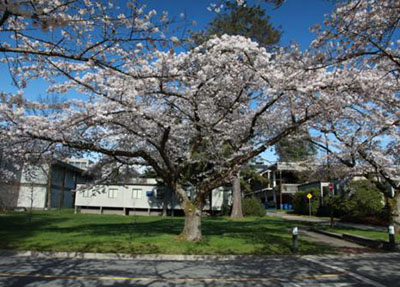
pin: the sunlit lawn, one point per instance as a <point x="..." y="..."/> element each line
<point x="65" y="231"/>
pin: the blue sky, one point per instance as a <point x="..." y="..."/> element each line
<point x="294" y="17"/>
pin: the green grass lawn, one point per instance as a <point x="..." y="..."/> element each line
<point x="64" y="231"/>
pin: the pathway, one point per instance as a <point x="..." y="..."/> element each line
<point x="324" y="220"/>
<point x="332" y="241"/>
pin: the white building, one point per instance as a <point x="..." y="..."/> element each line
<point x="82" y="163"/>
<point x="42" y="186"/>
<point x="141" y="196"/>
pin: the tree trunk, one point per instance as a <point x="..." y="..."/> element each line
<point x="237" y="212"/>
<point x="192" y="228"/>
<point x="395" y="212"/>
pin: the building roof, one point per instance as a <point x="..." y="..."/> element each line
<point x="291" y="166"/>
<point x="67" y="166"/>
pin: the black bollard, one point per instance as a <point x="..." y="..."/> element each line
<point x="392" y="241"/>
<point x="295" y="243"/>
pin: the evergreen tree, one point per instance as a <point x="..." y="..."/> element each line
<point x="295" y="148"/>
<point x="244" y="20"/>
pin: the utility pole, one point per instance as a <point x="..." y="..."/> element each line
<point x="281" y="189"/>
<point x="331" y="203"/>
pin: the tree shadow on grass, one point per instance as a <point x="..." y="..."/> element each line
<point x="147" y="235"/>
<point x="266" y="235"/>
<point x="148" y="228"/>
<point x="15" y="227"/>
<point x="174" y="226"/>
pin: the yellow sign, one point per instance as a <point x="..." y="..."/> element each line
<point x="309" y="196"/>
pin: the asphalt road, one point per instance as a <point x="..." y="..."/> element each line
<point x="379" y="269"/>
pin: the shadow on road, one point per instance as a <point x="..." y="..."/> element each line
<point x="24" y="271"/>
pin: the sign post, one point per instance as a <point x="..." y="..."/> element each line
<point x="309" y="196"/>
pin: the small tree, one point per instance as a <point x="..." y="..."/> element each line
<point x="252" y="206"/>
<point x="301" y="202"/>
<point x="362" y="199"/>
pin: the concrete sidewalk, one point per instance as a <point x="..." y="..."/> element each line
<point x="324" y="220"/>
<point x="332" y="241"/>
<point x="125" y="256"/>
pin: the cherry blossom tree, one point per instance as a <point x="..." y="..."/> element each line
<point x="360" y="37"/>
<point x="365" y="134"/>
<point x="206" y="111"/>
<point x="44" y="40"/>
<point x="195" y="117"/>
<point x="47" y="39"/>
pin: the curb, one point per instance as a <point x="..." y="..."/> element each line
<point x="171" y="257"/>
<point x="367" y="242"/>
<point x="327" y="233"/>
<point x="142" y="257"/>
<point x="372" y="243"/>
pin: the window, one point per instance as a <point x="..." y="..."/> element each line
<point x="136" y="193"/>
<point x="86" y="193"/>
<point x="160" y="193"/>
<point x="112" y="192"/>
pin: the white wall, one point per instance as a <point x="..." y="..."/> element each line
<point x="33" y="174"/>
<point x="131" y="196"/>
<point x="32" y="196"/>
<point x="217" y="199"/>
<point x="32" y="187"/>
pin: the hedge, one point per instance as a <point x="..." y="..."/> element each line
<point x="301" y="202"/>
<point x="252" y="206"/>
